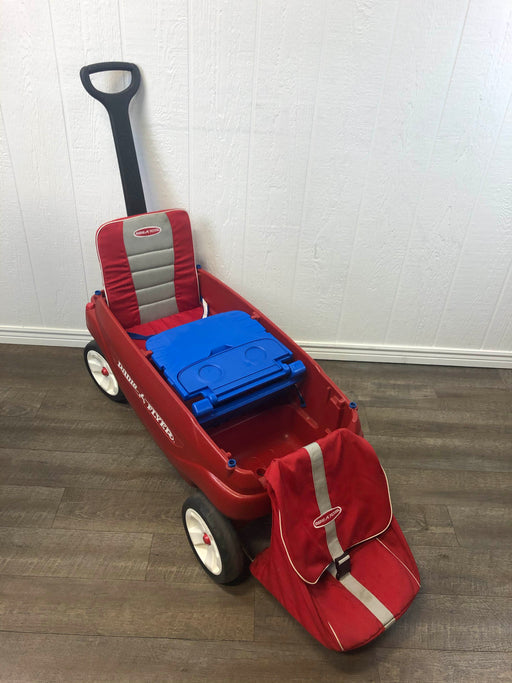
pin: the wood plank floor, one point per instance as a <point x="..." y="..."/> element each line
<point x="97" y="582"/>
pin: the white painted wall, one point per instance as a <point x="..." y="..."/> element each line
<point x="347" y="163"/>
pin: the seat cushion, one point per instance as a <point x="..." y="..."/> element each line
<point x="162" y="324"/>
<point x="167" y="323"/>
<point x="148" y="267"/>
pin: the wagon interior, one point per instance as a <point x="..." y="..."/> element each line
<point x="256" y="394"/>
<point x="280" y="427"/>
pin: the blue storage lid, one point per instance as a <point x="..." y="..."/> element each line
<point x="226" y="361"/>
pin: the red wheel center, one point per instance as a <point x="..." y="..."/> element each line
<point x="206" y="539"/>
<point x="104" y="371"/>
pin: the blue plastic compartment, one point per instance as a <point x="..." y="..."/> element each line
<point x="226" y="362"/>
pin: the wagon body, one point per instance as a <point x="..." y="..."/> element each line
<point x="279" y="437"/>
<point x="206" y="456"/>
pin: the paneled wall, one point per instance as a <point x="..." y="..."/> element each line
<point x="347" y="164"/>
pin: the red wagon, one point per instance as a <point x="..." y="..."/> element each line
<point x="246" y="416"/>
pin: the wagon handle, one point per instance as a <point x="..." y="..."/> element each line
<point x="117" y="105"/>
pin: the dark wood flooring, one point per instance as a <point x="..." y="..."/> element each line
<point x="97" y="582"/>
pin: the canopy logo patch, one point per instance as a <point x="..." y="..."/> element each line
<point x="326" y="517"/>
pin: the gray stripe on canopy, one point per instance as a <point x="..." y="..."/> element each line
<point x="322" y="497"/>
<point x="368" y="599"/>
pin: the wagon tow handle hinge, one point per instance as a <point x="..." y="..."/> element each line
<point x="117" y="105"/>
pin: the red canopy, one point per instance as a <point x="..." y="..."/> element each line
<point x="330" y="502"/>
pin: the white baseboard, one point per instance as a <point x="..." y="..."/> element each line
<point x="44" y="336"/>
<point x="408" y="354"/>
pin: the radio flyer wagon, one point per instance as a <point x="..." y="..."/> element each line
<point x="246" y="417"/>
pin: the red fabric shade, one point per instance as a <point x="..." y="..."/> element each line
<point x="341" y="473"/>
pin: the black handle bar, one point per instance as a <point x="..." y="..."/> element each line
<point x="117" y="105"/>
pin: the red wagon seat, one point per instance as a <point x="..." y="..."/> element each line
<point x="338" y="560"/>
<point x="149" y="271"/>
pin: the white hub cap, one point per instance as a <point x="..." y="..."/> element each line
<point x="203" y="541"/>
<point x="102" y="373"/>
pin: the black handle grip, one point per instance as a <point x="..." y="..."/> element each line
<point x="110" y="98"/>
<point x="117" y="105"/>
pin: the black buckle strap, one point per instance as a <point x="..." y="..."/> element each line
<point x="342" y="564"/>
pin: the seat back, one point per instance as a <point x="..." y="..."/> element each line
<point x="148" y="266"/>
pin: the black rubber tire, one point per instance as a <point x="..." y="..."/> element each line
<point x="228" y="544"/>
<point x="118" y="397"/>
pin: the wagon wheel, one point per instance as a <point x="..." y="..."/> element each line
<point x="100" y="371"/>
<point x="213" y="539"/>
